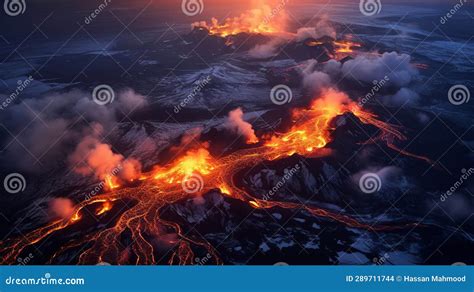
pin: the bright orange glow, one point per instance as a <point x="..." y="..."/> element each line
<point x="254" y="204"/>
<point x="106" y="206"/>
<point x="311" y="130"/>
<point x="252" y="140"/>
<point x="111" y="182"/>
<point x="195" y="161"/>
<point x="76" y="217"/>
<point x="224" y="189"/>
<point x="346" y="47"/>
<point x="313" y="43"/>
<point x="265" y="18"/>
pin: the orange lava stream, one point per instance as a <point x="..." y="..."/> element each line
<point x="311" y="130"/>
<point x="167" y="184"/>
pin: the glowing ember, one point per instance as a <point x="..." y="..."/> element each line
<point x="313" y="43"/>
<point x="254" y="204"/>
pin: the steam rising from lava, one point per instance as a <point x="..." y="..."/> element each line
<point x="236" y="123"/>
<point x="60" y="119"/>
<point x="321" y="29"/>
<point x="62" y="208"/>
<point x="93" y="157"/>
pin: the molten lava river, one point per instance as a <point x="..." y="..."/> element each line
<point x="128" y="238"/>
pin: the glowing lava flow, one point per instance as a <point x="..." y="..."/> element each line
<point x="263" y="19"/>
<point x="311" y="130"/>
<point x="111" y="182"/>
<point x="195" y="161"/>
<point x="270" y="19"/>
<point x="346" y="46"/>
<point x="141" y="222"/>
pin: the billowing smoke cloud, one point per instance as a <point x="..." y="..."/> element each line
<point x="92" y="157"/>
<point x="47" y="129"/>
<point x="332" y="98"/>
<point x="267" y="50"/>
<point x="332" y="67"/>
<point x="131" y="169"/>
<point x="404" y="96"/>
<point x="235" y="122"/>
<point x="271" y="48"/>
<point x="314" y="81"/>
<point x="128" y="101"/>
<point x="190" y="140"/>
<point x="322" y="29"/>
<point x="62" y="208"/>
<point x="368" y="68"/>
